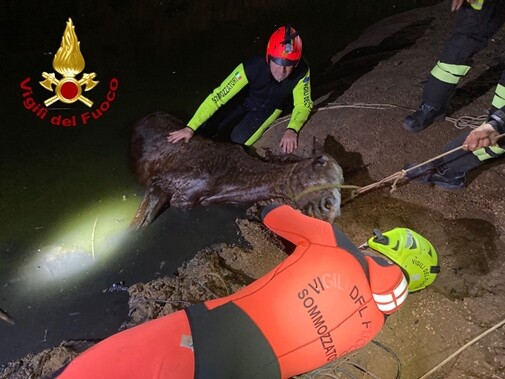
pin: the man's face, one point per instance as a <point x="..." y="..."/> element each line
<point x="280" y="72"/>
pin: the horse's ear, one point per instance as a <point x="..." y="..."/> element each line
<point x="317" y="148"/>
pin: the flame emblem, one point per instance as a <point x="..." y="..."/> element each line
<point x="69" y="62"/>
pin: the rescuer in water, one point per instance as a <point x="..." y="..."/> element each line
<point x="325" y="300"/>
<point x="253" y="96"/>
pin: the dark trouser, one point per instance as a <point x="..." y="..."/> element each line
<point x="462" y="161"/>
<point x="474" y="28"/>
<point x="498" y="96"/>
<point x="234" y="121"/>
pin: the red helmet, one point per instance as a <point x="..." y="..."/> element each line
<point x="284" y="47"/>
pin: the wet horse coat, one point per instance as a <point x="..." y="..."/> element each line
<point x="204" y="172"/>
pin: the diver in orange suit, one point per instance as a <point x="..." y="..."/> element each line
<point x="325" y="300"/>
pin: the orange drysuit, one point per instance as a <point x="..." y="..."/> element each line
<point x="325" y="300"/>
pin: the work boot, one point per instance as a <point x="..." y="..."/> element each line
<point x="422" y="118"/>
<point x="440" y="177"/>
<point x="448" y="179"/>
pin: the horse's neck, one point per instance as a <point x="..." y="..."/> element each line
<point x="270" y="179"/>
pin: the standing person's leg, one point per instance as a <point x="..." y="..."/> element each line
<point x="499" y="95"/>
<point x="473" y="30"/>
<point x="450" y="171"/>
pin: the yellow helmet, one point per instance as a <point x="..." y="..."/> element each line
<point x="412" y="252"/>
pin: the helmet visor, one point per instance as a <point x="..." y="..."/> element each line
<point x="281" y="61"/>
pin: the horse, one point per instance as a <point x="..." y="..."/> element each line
<point x="205" y="171"/>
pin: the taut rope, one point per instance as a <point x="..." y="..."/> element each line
<point x="322" y="187"/>
<point x="460" y="123"/>
<point x="359" y="190"/>
<point x="294" y="198"/>
<point x="457" y="352"/>
<point x="401" y="174"/>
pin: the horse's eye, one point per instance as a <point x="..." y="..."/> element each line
<point x="328" y="204"/>
<point x="320" y="161"/>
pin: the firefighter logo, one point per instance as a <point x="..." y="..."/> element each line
<point x="68" y="62"/>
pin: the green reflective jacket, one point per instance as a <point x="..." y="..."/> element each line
<point x="262" y="92"/>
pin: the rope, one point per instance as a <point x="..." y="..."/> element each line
<point x="395" y="357"/>
<point x="401" y="174"/>
<point x="294" y="198"/>
<point x="331" y="106"/>
<point x="461" y="122"/>
<point x="457" y="352"/>
<point x="321" y="187"/>
<point x="358" y="190"/>
<point x="396" y="176"/>
<point x="335" y="370"/>
<point x="468" y="121"/>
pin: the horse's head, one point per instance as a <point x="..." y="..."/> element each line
<point x="314" y="187"/>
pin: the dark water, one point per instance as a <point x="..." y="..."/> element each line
<point x="66" y="192"/>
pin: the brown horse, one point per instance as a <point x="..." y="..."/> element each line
<point x="204" y="171"/>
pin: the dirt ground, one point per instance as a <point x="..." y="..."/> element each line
<point x="390" y="62"/>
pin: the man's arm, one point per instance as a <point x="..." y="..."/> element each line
<point x="486" y="134"/>
<point x="456" y="4"/>
<point x="232" y="85"/>
<point x="302" y="103"/>
<point x="296" y="227"/>
<point x="302" y="106"/>
<point x="289" y="141"/>
<point x="181" y="134"/>
<point x="483" y="136"/>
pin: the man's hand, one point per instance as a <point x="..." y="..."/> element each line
<point x="181" y="134"/>
<point x="456" y="4"/>
<point x="483" y="136"/>
<point x="289" y="141"/>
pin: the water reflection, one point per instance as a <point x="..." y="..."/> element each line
<point x="82" y="242"/>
